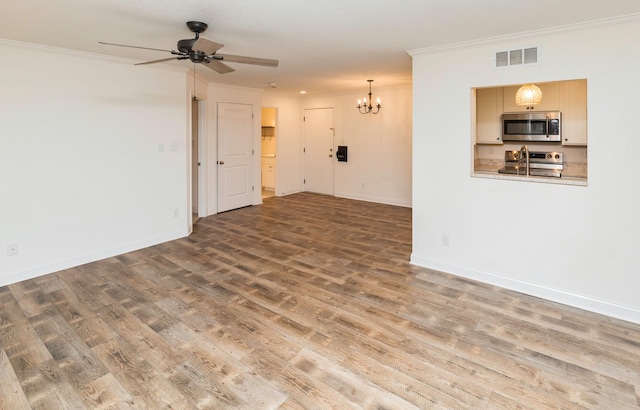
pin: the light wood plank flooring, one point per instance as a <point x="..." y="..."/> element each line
<point x="305" y="302"/>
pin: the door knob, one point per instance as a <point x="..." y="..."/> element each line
<point x="221" y="162"/>
<point x="330" y="155"/>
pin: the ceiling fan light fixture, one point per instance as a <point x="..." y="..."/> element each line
<point x="365" y="108"/>
<point x="529" y="94"/>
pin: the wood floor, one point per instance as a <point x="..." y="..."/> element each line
<point x="305" y="302"/>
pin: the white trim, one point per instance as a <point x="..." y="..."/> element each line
<point x="365" y="198"/>
<point x="34" y="272"/>
<point x="107" y="57"/>
<point x="587" y="25"/>
<point x="555" y="295"/>
<point x="202" y="158"/>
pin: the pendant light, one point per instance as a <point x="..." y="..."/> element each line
<point x="368" y="109"/>
<point x="529" y="95"/>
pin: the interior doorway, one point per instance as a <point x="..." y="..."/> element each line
<point x="318" y="150"/>
<point x="269" y="134"/>
<point x="195" y="163"/>
<point x="198" y="155"/>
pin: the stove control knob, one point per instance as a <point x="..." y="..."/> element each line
<point x="557" y="156"/>
<point x="548" y="155"/>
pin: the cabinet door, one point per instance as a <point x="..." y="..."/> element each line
<point x="574" y="113"/>
<point x="268" y="173"/>
<point x="550" y="98"/>
<point x="488" y="112"/>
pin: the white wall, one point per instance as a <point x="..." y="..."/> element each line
<point x="81" y="172"/>
<point x="379" y="146"/>
<point x="575" y="245"/>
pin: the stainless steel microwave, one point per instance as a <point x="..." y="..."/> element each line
<point x="532" y="126"/>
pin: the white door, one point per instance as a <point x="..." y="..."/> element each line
<point x="318" y="150"/>
<point x="235" y="156"/>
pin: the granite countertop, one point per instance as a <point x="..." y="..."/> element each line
<point x="494" y="174"/>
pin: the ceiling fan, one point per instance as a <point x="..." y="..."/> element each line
<point x="204" y="51"/>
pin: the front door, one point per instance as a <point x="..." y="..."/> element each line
<point x="318" y="150"/>
<point x="235" y="156"/>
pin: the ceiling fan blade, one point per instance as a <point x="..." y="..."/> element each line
<point x="124" y="45"/>
<point x="159" y="61"/>
<point x="217" y="66"/>
<point x="230" y="58"/>
<point x="206" y="46"/>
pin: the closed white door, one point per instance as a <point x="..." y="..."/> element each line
<point x="318" y="150"/>
<point x="235" y="156"/>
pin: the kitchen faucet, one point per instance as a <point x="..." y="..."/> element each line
<point x="524" y="158"/>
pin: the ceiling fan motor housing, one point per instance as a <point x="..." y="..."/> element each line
<point x="185" y="46"/>
<point x="196" y="56"/>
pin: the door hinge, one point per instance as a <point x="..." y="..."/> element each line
<point x="304" y="181"/>
<point x="253" y="188"/>
<point x="304" y="150"/>
<point x="252" y="153"/>
<point x="304" y="119"/>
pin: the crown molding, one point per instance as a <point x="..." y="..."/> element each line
<point x="582" y="26"/>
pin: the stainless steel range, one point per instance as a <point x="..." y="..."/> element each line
<point x="534" y="163"/>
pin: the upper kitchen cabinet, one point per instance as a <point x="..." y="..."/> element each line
<point x="550" y="98"/>
<point x="573" y="105"/>
<point x="488" y="112"/>
<point x="268" y="117"/>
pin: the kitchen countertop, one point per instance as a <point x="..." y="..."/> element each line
<point x="490" y="174"/>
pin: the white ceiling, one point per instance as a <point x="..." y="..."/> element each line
<point x="324" y="46"/>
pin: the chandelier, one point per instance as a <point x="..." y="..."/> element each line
<point x="529" y="94"/>
<point x="368" y="109"/>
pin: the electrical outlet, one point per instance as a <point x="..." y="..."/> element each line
<point x="161" y="147"/>
<point x="445" y="240"/>
<point x="174" y="146"/>
<point x="12" y="249"/>
<point x="362" y="185"/>
<point x="176" y="212"/>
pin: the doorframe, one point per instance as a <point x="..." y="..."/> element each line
<point x="276" y="147"/>
<point x="201" y="157"/>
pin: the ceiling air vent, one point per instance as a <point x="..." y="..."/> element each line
<point x="519" y="57"/>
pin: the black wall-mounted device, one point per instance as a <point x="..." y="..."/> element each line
<point x="341" y="153"/>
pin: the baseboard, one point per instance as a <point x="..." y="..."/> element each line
<point x="373" y="199"/>
<point x="55" y="266"/>
<point x="566" y="298"/>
